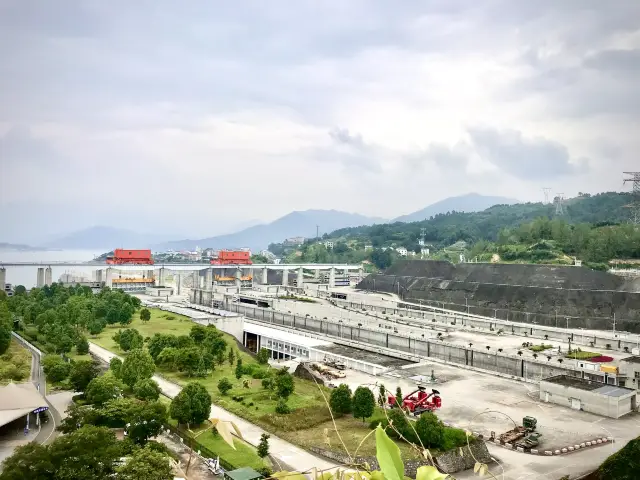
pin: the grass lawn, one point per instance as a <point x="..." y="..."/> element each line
<point x="582" y="355"/>
<point x="304" y="426"/>
<point x="161" y="322"/>
<point x="244" y="454"/>
<point x="15" y="364"/>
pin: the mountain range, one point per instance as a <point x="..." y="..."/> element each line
<point x="256" y="237"/>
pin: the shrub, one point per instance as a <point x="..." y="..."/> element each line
<point x="282" y="408"/>
<point x="82" y="346"/>
<point x="453" y="438"/>
<point x="55" y="368"/>
<point x="224" y="385"/>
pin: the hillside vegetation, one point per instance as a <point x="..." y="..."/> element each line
<point x="593" y="229"/>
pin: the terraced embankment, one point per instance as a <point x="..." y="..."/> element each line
<point x="544" y="294"/>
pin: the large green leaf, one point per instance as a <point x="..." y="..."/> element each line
<point x="388" y="455"/>
<point x="430" y="473"/>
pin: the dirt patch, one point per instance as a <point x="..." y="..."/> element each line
<point x="197" y="468"/>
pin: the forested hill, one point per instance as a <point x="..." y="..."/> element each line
<point x="446" y="229"/>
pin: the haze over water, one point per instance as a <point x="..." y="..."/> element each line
<point x="27" y="275"/>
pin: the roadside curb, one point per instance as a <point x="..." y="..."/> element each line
<point x="533" y="451"/>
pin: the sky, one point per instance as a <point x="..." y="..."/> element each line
<point x="197" y="118"/>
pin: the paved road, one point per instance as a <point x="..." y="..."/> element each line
<point x="48" y="431"/>
<point x="282" y="450"/>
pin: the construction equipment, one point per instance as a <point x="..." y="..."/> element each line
<point x="418" y="401"/>
<point x="138" y="257"/>
<point x="532" y="440"/>
<point x="335" y="364"/>
<point x="510" y="436"/>
<point x="232" y="257"/>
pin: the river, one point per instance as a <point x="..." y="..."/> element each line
<point x="27" y="276"/>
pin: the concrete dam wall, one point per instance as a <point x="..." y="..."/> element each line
<point x="543" y="294"/>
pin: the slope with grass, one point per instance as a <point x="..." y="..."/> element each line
<point x="15" y="364"/>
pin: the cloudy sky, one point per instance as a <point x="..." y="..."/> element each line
<point x="192" y="118"/>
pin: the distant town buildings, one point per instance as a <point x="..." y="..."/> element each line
<point x="328" y="245"/>
<point x="293" y="241"/>
<point x="401" y="251"/>
<point x="368" y="247"/>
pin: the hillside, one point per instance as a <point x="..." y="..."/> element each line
<point x="472" y="202"/>
<point x="594" y="230"/>
<point x="292" y="225"/>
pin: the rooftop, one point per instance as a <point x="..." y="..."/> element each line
<point x="589" y="386"/>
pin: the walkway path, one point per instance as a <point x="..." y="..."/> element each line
<point x="282" y="450"/>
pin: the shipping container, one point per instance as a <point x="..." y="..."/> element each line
<point x="123" y="256"/>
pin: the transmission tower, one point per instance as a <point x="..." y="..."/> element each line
<point x="546" y="191"/>
<point x="559" y="203"/>
<point x="634" y="206"/>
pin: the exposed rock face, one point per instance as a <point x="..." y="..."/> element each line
<point x="448" y="462"/>
<point x="303" y="370"/>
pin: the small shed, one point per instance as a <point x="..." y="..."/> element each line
<point x="244" y="473"/>
<point x="588" y="395"/>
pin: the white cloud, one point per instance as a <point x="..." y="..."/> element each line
<point x="225" y="113"/>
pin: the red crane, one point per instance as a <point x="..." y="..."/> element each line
<point x="420" y="403"/>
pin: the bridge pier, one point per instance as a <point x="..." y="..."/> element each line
<point x="108" y="281"/>
<point x="332" y="277"/>
<point x="285" y="277"/>
<point x="300" y="279"/>
<point x="196" y="279"/>
<point x="265" y="276"/>
<point x="160" y="281"/>
<point x="238" y="279"/>
<point x="40" y="278"/>
<point x="208" y="279"/>
<point x="48" y="276"/>
<point x="3" y="279"/>
<point x="178" y="282"/>
<point x="316" y="274"/>
<point x="98" y="275"/>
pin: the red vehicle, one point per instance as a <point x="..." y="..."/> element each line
<point x="232" y="257"/>
<point x="420" y="403"/>
<point x="137" y="257"/>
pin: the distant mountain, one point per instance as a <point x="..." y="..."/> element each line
<point x="292" y="225"/>
<point x="19" y="247"/>
<point x="105" y="238"/>
<point x="471" y="202"/>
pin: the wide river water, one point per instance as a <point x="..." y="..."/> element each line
<point x="27" y="276"/>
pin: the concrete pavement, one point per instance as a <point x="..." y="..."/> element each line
<point x="282" y="450"/>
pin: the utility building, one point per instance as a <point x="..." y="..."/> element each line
<point x="589" y="396"/>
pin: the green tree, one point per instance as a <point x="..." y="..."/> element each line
<point x="103" y="388"/>
<point x="146" y="464"/>
<point x="89" y="452"/>
<point x="284" y="385"/>
<point x="281" y="407"/>
<point x="263" y="446"/>
<point x="115" y="365"/>
<point x="363" y="403"/>
<point x="137" y="366"/>
<point x="224" y="385"/>
<point x="192" y="405"/>
<point x="125" y="314"/>
<point x="146" y="389"/>
<point x="622" y="465"/>
<point x="96" y="326"/>
<point x="340" y="400"/>
<point x="31" y="461"/>
<point x="129" y="339"/>
<point x="5" y="328"/>
<point x="263" y="356"/>
<point x="145" y="315"/>
<point x="55" y="368"/>
<point x="82" y="372"/>
<point x="231" y="357"/>
<point x="167" y="358"/>
<point x="399" y="397"/>
<point x="159" y="342"/>
<point x="239" y="370"/>
<point x="430" y="430"/>
<point x="145" y="420"/>
<point x="189" y="360"/>
<point x="198" y="333"/>
<point x="82" y="346"/>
